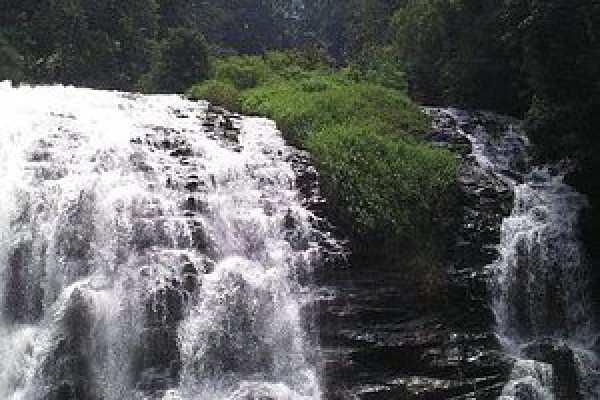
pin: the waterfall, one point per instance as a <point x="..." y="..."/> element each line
<point x="540" y="287"/>
<point x="151" y="248"/>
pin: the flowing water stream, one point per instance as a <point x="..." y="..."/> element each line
<point x="151" y="248"/>
<point x="540" y="285"/>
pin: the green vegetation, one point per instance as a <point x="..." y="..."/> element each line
<point x="388" y="188"/>
<point x="219" y="93"/>
<point x="384" y="185"/>
<point x="182" y="60"/>
<point x="320" y="98"/>
<point x="93" y="43"/>
<point x="11" y="63"/>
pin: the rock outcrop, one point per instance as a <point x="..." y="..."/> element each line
<point x="564" y="370"/>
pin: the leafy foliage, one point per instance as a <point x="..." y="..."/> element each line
<point x="182" y="61"/>
<point x="243" y="71"/>
<point x="99" y="43"/>
<point x="387" y="187"/>
<point x="448" y="63"/>
<point x="11" y="62"/>
<point x="220" y="93"/>
<point x="297" y="106"/>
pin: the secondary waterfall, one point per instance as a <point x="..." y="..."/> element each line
<point x="540" y="286"/>
<point x="151" y="248"/>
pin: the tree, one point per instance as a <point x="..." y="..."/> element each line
<point x="11" y="62"/>
<point x="247" y="26"/>
<point x="454" y="53"/>
<point x="182" y="61"/>
<point x="99" y="43"/>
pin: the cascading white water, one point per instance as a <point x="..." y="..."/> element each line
<point x="540" y="287"/>
<point x="150" y="247"/>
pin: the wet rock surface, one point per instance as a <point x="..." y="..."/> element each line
<point x="562" y="359"/>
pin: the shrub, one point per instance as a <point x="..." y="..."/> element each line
<point x="280" y="61"/>
<point x="386" y="187"/>
<point x="246" y="72"/>
<point x="378" y="65"/>
<point x="223" y="94"/>
<point x="324" y="98"/>
<point x="242" y="71"/>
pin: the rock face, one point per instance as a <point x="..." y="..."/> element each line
<point x="67" y="371"/>
<point x="385" y="339"/>
<point x="562" y="360"/>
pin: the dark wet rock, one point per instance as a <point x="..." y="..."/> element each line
<point x="195" y="204"/>
<point x="149" y="232"/>
<point x="189" y="269"/>
<point x="157" y="362"/>
<point x="289" y="222"/>
<point x="182" y="152"/>
<point x="193" y="184"/>
<point x="23" y="295"/>
<point x="216" y="110"/>
<point x="185" y="161"/>
<point x="231" y="135"/>
<point x="66" y="372"/>
<point x="386" y="339"/>
<point x="200" y="239"/>
<point x="180" y="114"/>
<point x="39" y="155"/>
<point x="190" y="277"/>
<point x="229" y="125"/>
<point x="244" y="348"/>
<point x="75" y="235"/>
<point x="562" y="359"/>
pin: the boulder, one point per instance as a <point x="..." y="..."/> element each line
<point x="561" y="357"/>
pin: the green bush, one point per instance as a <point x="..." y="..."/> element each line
<point x="246" y="72"/>
<point x="379" y="65"/>
<point x="387" y="187"/>
<point x="223" y="94"/>
<point x="242" y="71"/>
<point x="325" y="98"/>
<point x="280" y="61"/>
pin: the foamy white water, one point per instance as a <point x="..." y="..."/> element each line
<point x="150" y="247"/>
